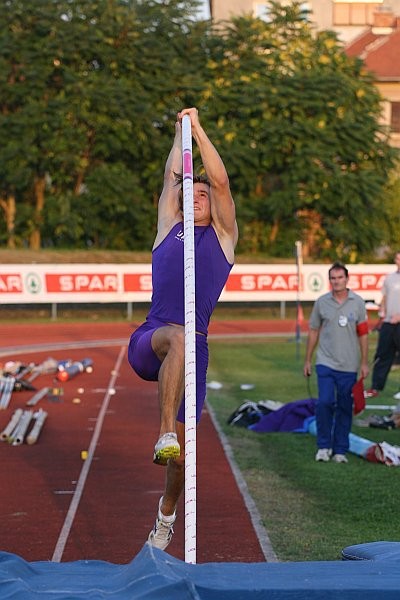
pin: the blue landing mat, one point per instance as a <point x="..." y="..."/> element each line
<point x="155" y="575"/>
<point x="382" y="551"/>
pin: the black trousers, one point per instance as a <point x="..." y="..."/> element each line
<point x="388" y="346"/>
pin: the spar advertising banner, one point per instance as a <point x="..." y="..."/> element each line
<point x="280" y="282"/>
<point x="132" y="283"/>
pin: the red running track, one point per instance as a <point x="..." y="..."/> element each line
<point x="55" y="505"/>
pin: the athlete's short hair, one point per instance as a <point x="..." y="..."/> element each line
<point x="196" y="179"/>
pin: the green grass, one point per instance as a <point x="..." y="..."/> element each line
<point x="310" y="510"/>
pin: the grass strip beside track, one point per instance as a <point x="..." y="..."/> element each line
<point x="310" y="510"/>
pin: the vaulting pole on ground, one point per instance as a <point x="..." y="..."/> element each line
<point x="190" y="343"/>
<point x="299" y="310"/>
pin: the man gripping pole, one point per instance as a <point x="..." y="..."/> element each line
<point x="157" y="347"/>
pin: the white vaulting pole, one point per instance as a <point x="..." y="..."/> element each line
<point x="190" y="343"/>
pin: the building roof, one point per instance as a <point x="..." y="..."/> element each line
<point x="379" y="48"/>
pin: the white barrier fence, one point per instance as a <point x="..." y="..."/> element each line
<point x="102" y="283"/>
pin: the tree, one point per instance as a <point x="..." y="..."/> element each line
<point x="299" y="121"/>
<point x="34" y="104"/>
<point x="89" y="91"/>
<point x="85" y="92"/>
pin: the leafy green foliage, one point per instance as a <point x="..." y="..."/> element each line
<point x="89" y="90"/>
<point x="299" y="123"/>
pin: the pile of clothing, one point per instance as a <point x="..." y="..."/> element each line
<point x="299" y="417"/>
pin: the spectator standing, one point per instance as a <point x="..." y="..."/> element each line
<point x="389" y="331"/>
<point x="338" y="325"/>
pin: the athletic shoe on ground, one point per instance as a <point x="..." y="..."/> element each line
<point x="161" y="535"/>
<point x="371" y="393"/>
<point x="339" y="458"/>
<point x="167" y="447"/>
<point x="323" y="455"/>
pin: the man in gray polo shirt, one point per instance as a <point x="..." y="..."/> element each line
<point x="338" y="324"/>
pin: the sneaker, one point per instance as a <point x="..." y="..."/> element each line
<point x="340" y="458"/>
<point x="371" y="393"/>
<point x="167" y="447"/>
<point x="161" y="535"/>
<point x="323" y="455"/>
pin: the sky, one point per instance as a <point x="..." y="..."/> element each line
<point x="204" y="10"/>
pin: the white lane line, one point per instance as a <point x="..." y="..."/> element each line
<point x="32" y="348"/>
<point x="69" y="519"/>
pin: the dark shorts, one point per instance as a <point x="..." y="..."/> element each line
<point x="146" y="364"/>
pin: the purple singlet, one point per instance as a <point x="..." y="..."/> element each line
<point x="211" y="267"/>
<point x="167" y="304"/>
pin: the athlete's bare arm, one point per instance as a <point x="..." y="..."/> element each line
<point x="222" y="205"/>
<point x="168" y="204"/>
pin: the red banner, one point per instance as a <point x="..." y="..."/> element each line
<point x="10" y="283"/>
<point x="261" y="282"/>
<point x="82" y="282"/>
<point x="137" y="282"/>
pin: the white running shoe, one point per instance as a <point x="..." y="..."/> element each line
<point x="323" y="455"/>
<point x="371" y="393"/>
<point x="161" y="535"/>
<point x="167" y="447"/>
<point x="340" y="458"/>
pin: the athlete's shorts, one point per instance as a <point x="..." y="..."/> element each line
<point x="146" y="363"/>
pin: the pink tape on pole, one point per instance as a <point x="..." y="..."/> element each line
<point x="187" y="164"/>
